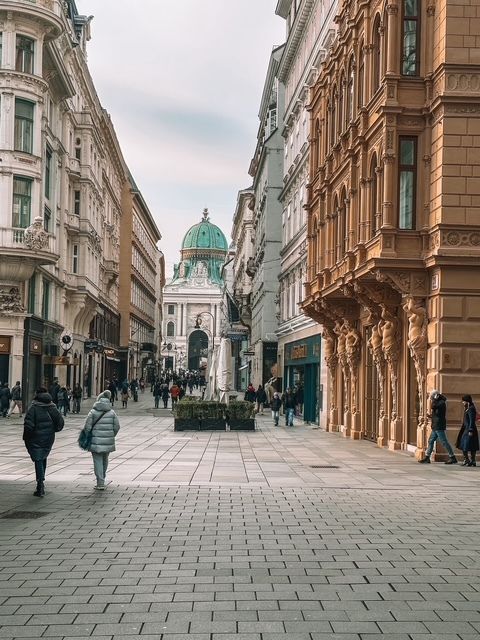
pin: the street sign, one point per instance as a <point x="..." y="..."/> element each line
<point x="248" y="353"/>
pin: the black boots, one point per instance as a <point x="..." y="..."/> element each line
<point x="40" y="491"/>
<point x="451" y="460"/>
<point x="425" y="460"/>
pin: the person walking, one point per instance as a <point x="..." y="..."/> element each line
<point x="438" y="404"/>
<point x="42" y="421"/>
<point x="174" y="393"/>
<point x="53" y="391"/>
<point x="276" y="405"/>
<point x="112" y="387"/>
<point x="76" y="397"/>
<point x="261" y="398"/>
<point x="5" y="397"/>
<point x="289" y="404"/>
<point x="165" y="394"/>
<point x="467" y="439"/>
<point x="125" y="394"/>
<point x="62" y="400"/>
<point x="103" y="423"/>
<point x="157" y="393"/>
<point x="250" y="394"/>
<point x="16" y="394"/>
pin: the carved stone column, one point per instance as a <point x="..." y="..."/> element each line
<point x="353" y="354"/>
<point x="417" y="344"/>
<point x="375" y="346"/>
<point x="389" y="329"/>
<point x="392" y="41"/>
<point x="331" y="362"/>
<point x="344" y="409"/>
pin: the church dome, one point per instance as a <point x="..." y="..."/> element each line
<point x="205" y="236"/>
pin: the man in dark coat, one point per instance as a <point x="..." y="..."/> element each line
<point x="5" y="397"/>
<point x="53" y="391"/>
<point x="289" y="403"/>
<point x="42" y="421"/>
<point x="439" y="427"/>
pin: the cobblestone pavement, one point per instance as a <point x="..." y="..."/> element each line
<point x="216" y="536"/>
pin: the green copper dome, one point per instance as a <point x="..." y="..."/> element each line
<point x="205" y="235"/>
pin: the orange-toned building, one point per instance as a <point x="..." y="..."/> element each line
<point x="394" y="215"/>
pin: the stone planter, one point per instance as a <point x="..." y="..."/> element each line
<point x="212" y="424"/>
<point x="247" y="424"/>
<point x="185" y="424"/>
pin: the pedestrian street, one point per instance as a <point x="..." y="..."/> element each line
<point x="279" y="533"/>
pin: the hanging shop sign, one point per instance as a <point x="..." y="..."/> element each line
<point x="4" y="344"/>
<point x="35" y="347"/>
<point x="91" y="345"/>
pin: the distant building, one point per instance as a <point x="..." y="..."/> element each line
<point x="266" y="169"/>
<point x="140" y="267"/>
<point x="310" y="30"/>
<point x="192" y="298"/>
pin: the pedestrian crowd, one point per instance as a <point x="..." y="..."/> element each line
<point x="45" y="417"/>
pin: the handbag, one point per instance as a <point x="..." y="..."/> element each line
<point x="85" y="437"/>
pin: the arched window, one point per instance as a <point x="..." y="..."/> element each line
<point x="170" y="329"/>
<point x="337" y="231"/>
<point x="314" y="249"/>
<point x="316" y="147"/>
<point x="361" y="77"/>
<point x="349" y="93"/>
<point x="376" y="54"/>
<point x="333" y="117"/>
<point x="341" y="104"/>
<point x="328" y="140"/>
<point x="344" y="223"/>
<point x="373" y="196"/>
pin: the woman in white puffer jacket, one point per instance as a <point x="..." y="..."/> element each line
<point x="103" y="422"/>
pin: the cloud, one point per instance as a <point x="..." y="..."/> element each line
<point x="183" y="81"/>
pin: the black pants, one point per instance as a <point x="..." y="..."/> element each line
<point x="473" y="455"/>
<point x="40" y="468"/>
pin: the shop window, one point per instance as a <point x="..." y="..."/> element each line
<point x="407" y="172"/>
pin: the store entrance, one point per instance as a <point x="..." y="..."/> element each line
<point x="4" y="368"/>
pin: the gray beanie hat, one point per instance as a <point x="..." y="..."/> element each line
<point x="105" y="394"/>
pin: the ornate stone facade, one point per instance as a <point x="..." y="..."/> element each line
<point x="393" y="235"/>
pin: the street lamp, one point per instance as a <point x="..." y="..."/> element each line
<point x="198" y="324"/>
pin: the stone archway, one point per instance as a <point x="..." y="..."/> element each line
<point x="197" y="348"/>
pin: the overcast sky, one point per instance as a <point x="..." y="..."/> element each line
<point x="182" y="80"/>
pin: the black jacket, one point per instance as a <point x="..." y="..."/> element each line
<point x="261" y="395"/>
<point x="42" y="421"/>
<point x="289" y="401"/>
<point x="5" y="397"/>
<point x="276" y="403"/>
<point x="467" y="439"/>
<point x="439" y="412"/>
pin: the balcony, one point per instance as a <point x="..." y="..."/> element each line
<point x="47" y="12"/>
<point x="22" y="250"/>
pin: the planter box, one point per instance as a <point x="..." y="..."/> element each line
<point x="185" y="424"/>
<point x="212" y="424"/>
<point x="248" y="424"/>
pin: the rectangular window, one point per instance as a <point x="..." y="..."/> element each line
<point x="22" y="202"/>
<point x="25" y="52"/>
<point x="171" y="309"/>
<point x="47" y="219"/>
<point x="76" y="203"/>
<point x="410" y="38"/>
<point x="46" y="299"/>
<point x="75" y="258"/>
<point x="48" y="172"/>
<point x="407" y="171"/>
<point x="23" y="126"/>
<point x="32" y="285"/>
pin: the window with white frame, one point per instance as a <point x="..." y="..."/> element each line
<point x="25" y="48"/>
<point x="23" y="138"/>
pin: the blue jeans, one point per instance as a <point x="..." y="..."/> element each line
<point x="442" y="437"/>
<point x="40" y="468"/>
<point x="289" y="413"/>
<point x="276" y="417"/>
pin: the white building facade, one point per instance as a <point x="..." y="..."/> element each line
<point x="310" y="30"/>
<point x="266" y="169"/>
<point x="193" y="300"/>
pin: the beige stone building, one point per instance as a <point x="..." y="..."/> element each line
<point x="141" y="279"/>
<point x="393" y="202"/>
<point x="62" y="179"/>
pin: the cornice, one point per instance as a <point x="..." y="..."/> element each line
<point x="294" y="39"/>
